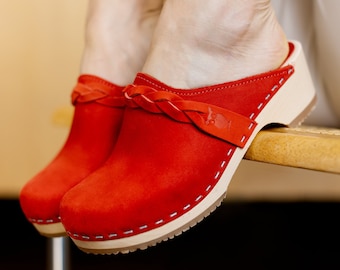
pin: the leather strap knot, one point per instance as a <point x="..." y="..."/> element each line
<point x="219" y="122"/>
<point x="108" y="97"/>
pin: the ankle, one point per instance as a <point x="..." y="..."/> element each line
<point x="215" y="44"/>
<point x="117" y="38"/>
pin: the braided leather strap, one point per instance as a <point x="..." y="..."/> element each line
<point x="108" y="97"/>
<point x="219" y="122"/>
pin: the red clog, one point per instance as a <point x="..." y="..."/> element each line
<point x="176" y="154"/>
<point x="97" y="119"/>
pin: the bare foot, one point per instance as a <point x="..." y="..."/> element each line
<point x="198" y="42"/>
<point x="118" y="34"/>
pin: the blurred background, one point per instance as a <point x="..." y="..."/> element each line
<point x="274" y="216"/>
<point x="41" y="44"/>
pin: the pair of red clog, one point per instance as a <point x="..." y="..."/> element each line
<point x="144" y="163"/>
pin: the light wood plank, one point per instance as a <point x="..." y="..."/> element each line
<point x="305" y="147"/>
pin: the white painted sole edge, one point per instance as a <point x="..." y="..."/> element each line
<point x="51" y="230"/>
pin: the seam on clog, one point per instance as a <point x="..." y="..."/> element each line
<point x="208" y="89"/>
<point x="269" y="95"/>
<point x="45" y="221"/>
